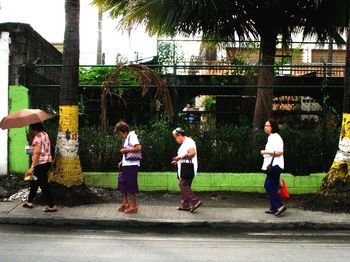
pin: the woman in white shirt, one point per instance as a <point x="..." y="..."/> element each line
<point x="187" y="151"/>
<point x="127" y="180"/>
<point x="273" y="148"/>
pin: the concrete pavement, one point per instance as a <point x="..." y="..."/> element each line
<point x="107" y="215"/>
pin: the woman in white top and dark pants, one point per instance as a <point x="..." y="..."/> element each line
<point x="187" y="151"/>
<point x="274" y="147"/>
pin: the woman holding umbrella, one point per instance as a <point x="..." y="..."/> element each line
<point x="41" y="159"/>
<point x="41" y="164"/>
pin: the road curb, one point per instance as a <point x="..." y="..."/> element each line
<point x="241" y="225"/>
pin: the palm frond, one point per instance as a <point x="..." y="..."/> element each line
<point x="145" y="77"/>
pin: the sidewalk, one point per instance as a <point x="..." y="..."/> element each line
<point x="106" y="215"/>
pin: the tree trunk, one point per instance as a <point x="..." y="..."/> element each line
<point x="266" y="78"/>
<point x="334" y="193"/>
<point x="66" y="166"/>
<point x="330" y="57"/>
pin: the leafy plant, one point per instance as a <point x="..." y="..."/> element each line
<point x="169" y="53"/>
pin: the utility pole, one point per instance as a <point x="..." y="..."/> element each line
<point x="100" y="56"/>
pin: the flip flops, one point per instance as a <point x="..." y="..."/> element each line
<point x="183" y="208"/>
<point x="280" y="211"/>
<point x="195" y="206"/>
<point x="48" y="210"/>
<point x="25" y="205"/>
<point x="122" y="208"/>
<point x="131" y="210"/>
<point x="270" y="212"/>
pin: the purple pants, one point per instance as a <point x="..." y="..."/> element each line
<point x="187" y="197"/>
<point x="127" y="180"/>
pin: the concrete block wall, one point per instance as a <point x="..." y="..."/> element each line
<point x="237" y="182"/>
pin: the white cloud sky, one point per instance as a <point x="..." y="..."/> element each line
<point x="47" y="18"/>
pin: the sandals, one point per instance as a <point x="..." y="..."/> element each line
<point x="123" y="208"/>
<point x="47" y="210"/>
<point x="131" y="210"/>
<point x="280" y="211"/>
<point x="27" y="206"/>
<point x="196" y="206"/>
<point x="183" y="208"/>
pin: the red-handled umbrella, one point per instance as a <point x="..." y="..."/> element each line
<point x="24" y="117"/>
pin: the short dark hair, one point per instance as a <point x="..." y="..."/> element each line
<point x="122" y="127"/>
<point x="179" y="131"/>
<point x="37" y="127"/>
<point x="274" y="126"/>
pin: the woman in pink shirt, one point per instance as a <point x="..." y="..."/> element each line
<point x="41" y="165"/>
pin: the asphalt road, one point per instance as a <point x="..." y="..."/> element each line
<point x="36" y="243"/>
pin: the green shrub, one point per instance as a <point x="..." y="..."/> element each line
<point x="99" y="151"/>
<point x="225" y="149"/>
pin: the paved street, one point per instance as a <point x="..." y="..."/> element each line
<point x="37" y="243"/>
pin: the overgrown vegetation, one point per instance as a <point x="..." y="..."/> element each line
<point x="225" y="149"/>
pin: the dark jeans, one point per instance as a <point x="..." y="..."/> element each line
<point x="41" y="172"/>
<point x="272" y="182"/>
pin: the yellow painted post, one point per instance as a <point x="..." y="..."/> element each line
<point x="341" y="164"/>
<point x="66" y="166"/>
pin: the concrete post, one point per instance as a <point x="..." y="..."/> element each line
<point x="4" y="101"/>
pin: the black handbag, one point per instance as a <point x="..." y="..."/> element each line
<point x="187" y="170"/>
<point x="268" y="170"/>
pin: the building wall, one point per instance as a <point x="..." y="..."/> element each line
<point x="251" y="56"/>
<point x="27" y="49"/>
<point x="22" y="50"/>
<point x="4" y="70"/>
<point x="318" y="54"/>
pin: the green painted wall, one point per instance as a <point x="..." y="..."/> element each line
<point x="240" y="182"/>
<point x="18" y="160"/>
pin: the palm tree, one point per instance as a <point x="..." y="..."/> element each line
<point x="66" y="167"/>
<point x="334" y="192"/>
<point x="224" y="20"/>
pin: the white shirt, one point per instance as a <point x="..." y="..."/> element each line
<point x="130" y="141"/>
<point x="187" y="144"/>
<point x="274" y="143"/>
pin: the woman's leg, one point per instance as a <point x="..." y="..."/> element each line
<point x="133" y="200"/>
<point x="33" y="189"/>
<point x="125" y="203"/>
<point x="42" y="173"/>
<point x="130" y="174"/>
<point x="133" y="207"/>
<point x="184" y="204"/>
<point x="187" y="194"/>
<point x="271" y="186"/>
<point x="122" y="187"/>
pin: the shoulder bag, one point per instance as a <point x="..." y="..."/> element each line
<point x="187" y="170"/>
<point x="133" y="156"/>
<point x="268" y="170"/>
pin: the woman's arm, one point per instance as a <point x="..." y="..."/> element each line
<point x="276" y="153"/>
<point x="190" y="153"/>
<point x="35" y="159"/>
<point x="134" y="149"/>
<point x="35" y="156"/>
